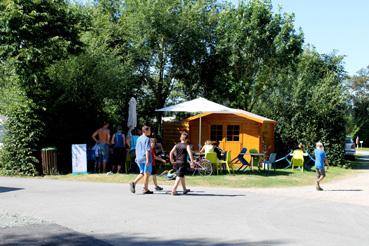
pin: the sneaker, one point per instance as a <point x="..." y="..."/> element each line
<point x="148" y="192"/>
<point x="186" y="191"/>
<point x="132" y="187"/>
<point x="320" y="189"/>
<point x="158" y="188"/>
<point x="174" y="193"/>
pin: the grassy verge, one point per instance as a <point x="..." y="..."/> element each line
<point x="282" y="178"/>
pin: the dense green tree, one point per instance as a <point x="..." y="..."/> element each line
<point x="65" y="68"/>
<point x="36" y="34"/>
<point x="89" y="89"/>
<point x="166" y="40"/>
<point x="310" y="105"/>
<point x="359" y="88"/>
<point x="253" y="45"/>
<point x="33" y="35"/>
<point x="22" y="126"/>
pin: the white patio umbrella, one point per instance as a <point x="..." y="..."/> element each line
<point x="198" y="105"/>
<point x="132" y="115"/>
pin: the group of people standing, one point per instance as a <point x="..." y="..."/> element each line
<point x="114" y="149"/>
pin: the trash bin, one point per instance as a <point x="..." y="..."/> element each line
<point x="49" y="161"/>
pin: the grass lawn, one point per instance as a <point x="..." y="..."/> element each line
<point x="282" y="178"/>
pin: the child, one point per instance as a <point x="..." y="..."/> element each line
<point x="143" y="160"/>
<point x="208" y="147"/>
<point x="320" y="162"/>
<point x="154" y="158"/>
<point x="182" y="151"/>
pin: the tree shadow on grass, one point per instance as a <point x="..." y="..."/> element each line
<point x="52" y="234"/>
<point x="9" y="189"/>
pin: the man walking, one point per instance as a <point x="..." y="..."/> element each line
<point x="143" y="160"/>
<point x="320" y="162"/>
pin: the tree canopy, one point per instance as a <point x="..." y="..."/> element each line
<point x="66" y="67"/>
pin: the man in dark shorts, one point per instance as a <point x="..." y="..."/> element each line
<point x="182" y="151"/>
<point x="320" y="162"/>
<point x="119" y="151"/>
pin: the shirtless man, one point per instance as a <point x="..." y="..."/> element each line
<point x="102" y="138"/>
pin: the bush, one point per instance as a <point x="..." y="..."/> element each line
<point x="22" y="130"/>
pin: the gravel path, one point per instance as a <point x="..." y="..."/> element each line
<point x="52" y="212"/>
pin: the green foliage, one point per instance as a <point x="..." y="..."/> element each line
<point x="253" y="45"/>
<point x="358" y="85"/>
<point x="36" y="34"/>
<point x="166" y="41"/>
<point x="65" y="68"/>
<point x="17" y="156"/>
<point x="310" y="105"/>
<point x="33" y="35"/>
<point x="89" y="89"/>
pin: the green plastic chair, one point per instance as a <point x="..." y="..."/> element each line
<point x="228" y="162"/>
<point x="212" y="157"/>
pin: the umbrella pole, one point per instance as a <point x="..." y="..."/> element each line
<point x="200" y="133"/>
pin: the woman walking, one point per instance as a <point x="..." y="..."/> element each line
<point x="181" y="151"/>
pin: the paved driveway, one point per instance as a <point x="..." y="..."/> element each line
<point x="40" y="212"/>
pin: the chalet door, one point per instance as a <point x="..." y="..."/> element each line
<point x="232" y="140"/>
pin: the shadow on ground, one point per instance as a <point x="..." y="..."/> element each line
<point x="198" y="193"/>
<point x="361" y="163"/>
<point x="345" y="190"/>
<point x="9" y="189"/>
<point x="52" y="234"/>
<point x="210" y="194"/>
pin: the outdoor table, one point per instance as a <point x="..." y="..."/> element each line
<point x="198" y="155"/>
<point x="253" y="155"/>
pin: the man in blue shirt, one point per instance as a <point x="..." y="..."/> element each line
<point x="143" y="160"/>
<point x="320" y="162"/>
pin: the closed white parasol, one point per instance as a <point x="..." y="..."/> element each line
<point x="132" y="114"/>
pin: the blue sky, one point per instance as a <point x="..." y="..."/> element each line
<point x="328" y="25"/>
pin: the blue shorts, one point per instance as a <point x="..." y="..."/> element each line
<point x="104" y="148"/>
<point x="144" y="168"/>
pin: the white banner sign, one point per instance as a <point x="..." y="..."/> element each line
<point x="79" y="158"/>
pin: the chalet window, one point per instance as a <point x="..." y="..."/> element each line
<point x="216" y="132"/>
<point x="233" y="133"/>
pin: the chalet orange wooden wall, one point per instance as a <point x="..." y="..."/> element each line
<point x="254" y="134"/>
